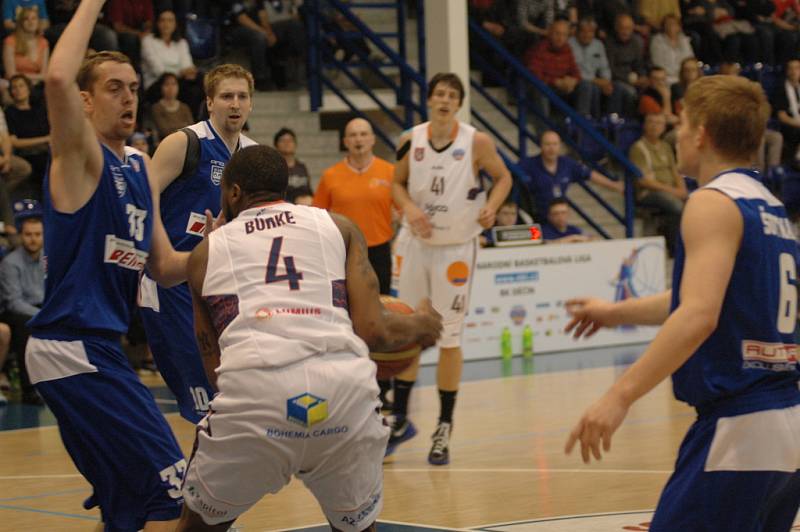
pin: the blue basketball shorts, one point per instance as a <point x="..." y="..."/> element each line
<point x="111" y="428"/>
<point x="735" y="472"/>
<point x="169" y="324"/>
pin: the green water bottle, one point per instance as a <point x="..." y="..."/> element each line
<point x="506" y="351"/>
<point x="527" y="342"/>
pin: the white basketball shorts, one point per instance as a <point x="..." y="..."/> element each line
<point x="316" y="420"/>
<point x="442" y="273"/>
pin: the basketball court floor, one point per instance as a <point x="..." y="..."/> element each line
<point x="508" y="471"/>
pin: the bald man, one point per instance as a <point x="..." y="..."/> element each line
<point x="360" y="187"/>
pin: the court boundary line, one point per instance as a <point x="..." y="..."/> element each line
<point x="48" y="512"/>
<point x="486" y="528"/>
<point x="534" y="470"/>
<point x="380" y="521"/>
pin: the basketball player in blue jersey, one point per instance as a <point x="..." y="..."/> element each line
<point x="727" y="336"/>
<point x="102" y="227"/>
<point x="187" y="168"/>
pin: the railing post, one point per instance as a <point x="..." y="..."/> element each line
<point x="629" y="205"/>
<point x="405" y="83"/>
<point x="314" y="54"/>
<point x="522" y="117"/>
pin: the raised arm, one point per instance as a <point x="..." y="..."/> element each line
<point x="205" y="333"/>
<point x="381" y="330"/>
<point x="418" y="220"/>
<point x="76" y="156"/>
<point x="488" y="160"/>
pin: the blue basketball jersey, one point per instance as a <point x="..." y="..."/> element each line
<point x="94" y="256"/>
<point x="184" y="201"/>
<point x="752" y="353"/>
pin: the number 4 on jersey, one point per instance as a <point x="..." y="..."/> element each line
<point x="292" y="275"/>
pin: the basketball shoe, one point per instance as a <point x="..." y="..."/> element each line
<point x="402" y="430"/>
<point x="440" y="450"/>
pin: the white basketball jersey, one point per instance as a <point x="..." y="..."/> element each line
<point x="444" y="185"/>
<point x="276" y="285"/>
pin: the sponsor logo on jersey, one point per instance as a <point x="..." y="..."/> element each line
<point x="354" y="520"/>
<point x="196" y="224"/>
<point x="306" y="409"/>
<point x="431" y="209"/>
<point x="265" y="313"/>
<point x="773" y="353"/>
<point x="206" y="508"/>
<point x="135" y="164"/>
<point x="458" y="154"/>
<point x="518" y="314"/>
<point x="119" y="181"/>
<point x="123" y="253"/>
<point x="217" y="167"/>
<point x="419" y="154"/>
<point x="278" y="433"/>
<point x="458" y="273"/>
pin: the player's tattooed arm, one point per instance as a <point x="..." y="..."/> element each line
<point x="204" y="330"/>
<point x="382" y="331"/>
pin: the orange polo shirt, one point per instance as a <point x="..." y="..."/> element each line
<point x="365" y="197"/>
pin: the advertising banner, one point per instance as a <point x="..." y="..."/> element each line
<point x="521" y="288"/>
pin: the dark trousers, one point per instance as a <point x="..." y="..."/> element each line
<point x="19" y="339"/>
<point x="380" y="257"/>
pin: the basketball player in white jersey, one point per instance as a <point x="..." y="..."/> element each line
<point x="286" y="293"/>
<point x="438" y="188"/>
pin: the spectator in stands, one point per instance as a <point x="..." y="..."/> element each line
<point x="532" y="17"/>
<point x="549" y="174"/>
<point x="285" y="141"/>
<point x="14" y="170"/>
<point x="139" y="141"/>
<point x="28" y="126"/>
<point x="507" y="214"/>
<point x="61" y="11"/>
<point x="11" y="9"/>
<point x="500" y="20"/>
<point x="347" y="42"/>
<point x="655" y="11"/>
<point x="590" y="55"/>
<point x="300" y="196"/>
<point x="657" y="98"/>
<point x="258" y="39"/>
<point x="132" y="20"/>
<point x="604" y="12"/>
<point x="25" y="51"/>
<point x="698" y="25"/>
<point x="786" y="20"/>
<point x="552" y="61"/>
<point x="660" y="187"/>
<point x="282" y="17"/>
<point x="669" y="48"/>
<point x="169" y="114"/>
<point x="166" y="51"/>
<point x="626" y="58"/>
<point x="557" y="229"/>
<point x="360" y="187"/>
<point x="759" y="14"/>
<point x="786" y="106"/>
<point x="739" y="43"/>
<point x="690" y="71"/>
<point x="22" y="286"/>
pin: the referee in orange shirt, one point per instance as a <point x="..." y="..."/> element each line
<point x="360" y="187"/>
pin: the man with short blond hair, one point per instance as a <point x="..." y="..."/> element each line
<point x="727" y="330"/>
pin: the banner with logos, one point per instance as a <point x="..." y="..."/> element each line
<point x="515" y="287"/>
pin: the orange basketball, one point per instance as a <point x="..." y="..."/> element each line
<point x="390" y="364"/>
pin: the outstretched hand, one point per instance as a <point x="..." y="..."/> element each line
<point x="598" y="424"/>
<point x="588" y="316"/>
<point x="213" y="223"/>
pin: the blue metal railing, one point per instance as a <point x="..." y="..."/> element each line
<point x="322" y="55"/>
<point x="521" y="83"/>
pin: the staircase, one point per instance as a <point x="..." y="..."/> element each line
<point x="319" y="148"/>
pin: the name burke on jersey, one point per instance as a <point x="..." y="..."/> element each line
<point x="272" y="222"/>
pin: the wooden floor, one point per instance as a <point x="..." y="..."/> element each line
<point x="507" y="462"/>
